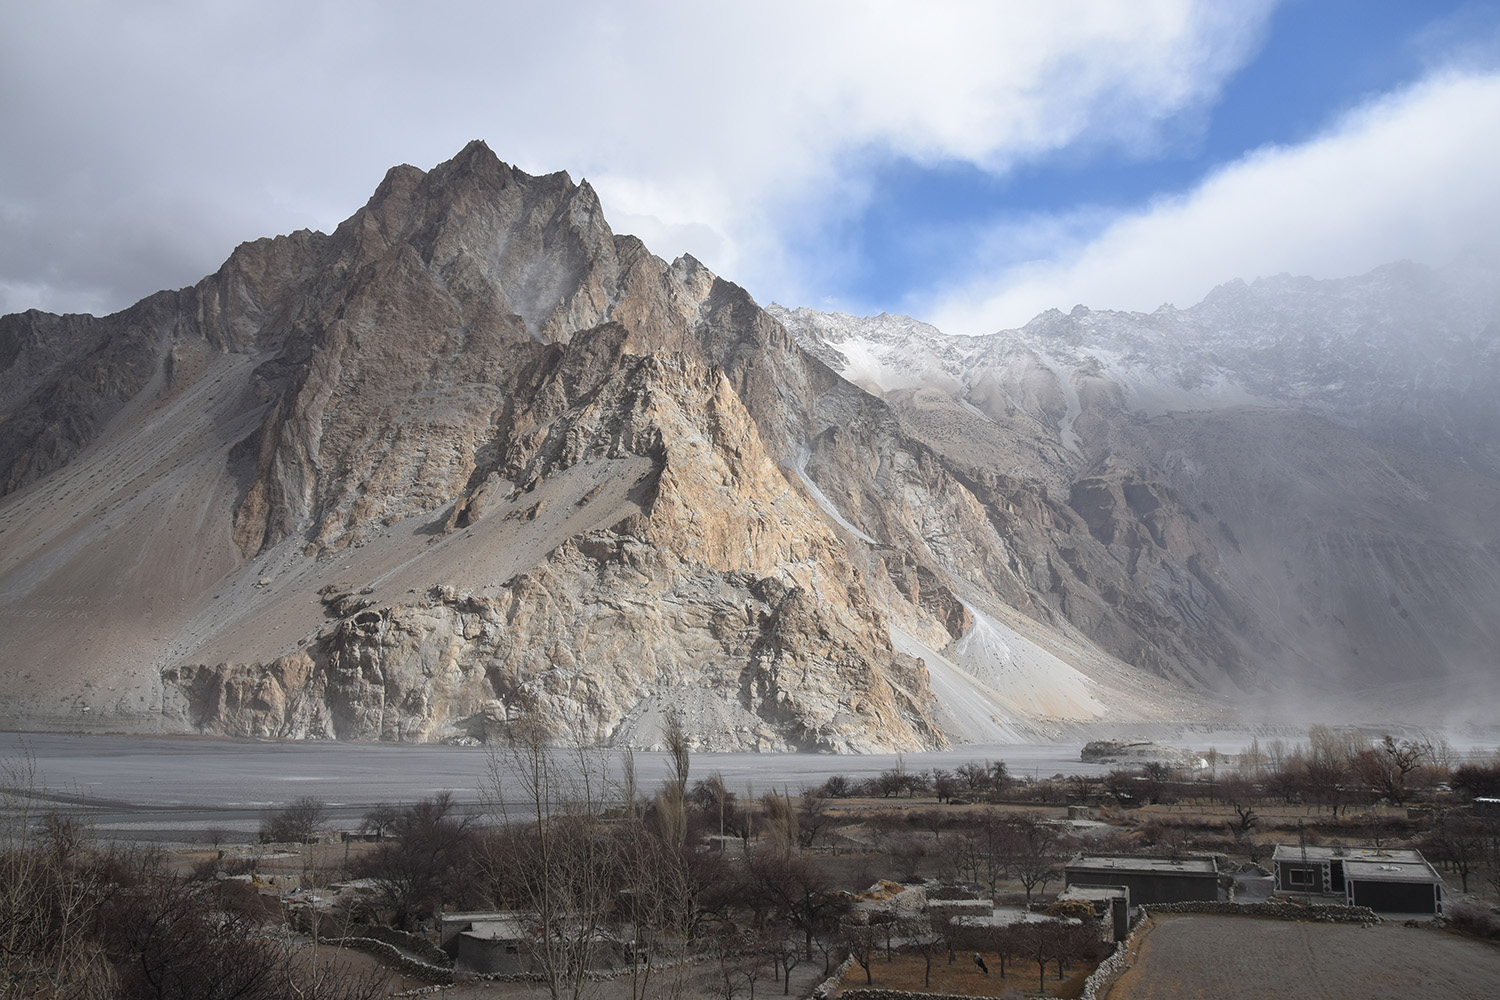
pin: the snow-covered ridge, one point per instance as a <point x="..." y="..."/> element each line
<point x="1405" y="352"/>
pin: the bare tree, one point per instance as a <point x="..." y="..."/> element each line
<point x="630" y="792"/>
<point x="665" y="897"/>
<point x="1044" y="941"/>
<point x="1458" y="842"/>
<point x="297" y="822"/>
<point x="917" y="929"/>
<point x="562" y="863"/>
<point x="794" y="888"/>
<point x="781" y="821"/>
<point x="907" y="850"/>
<point x="812" y="814"/>
<point x="429" y="859"/>
<point x="862" y="941"/>
<point x="1389" y="764"/>
<point x="171" y="942"/>
<point x="787" y="952"/>
<point x="676" y="738"/>
<point x="974" y="778"/>
<point x="380" y="820"/>
<point x="1031" y="845"/>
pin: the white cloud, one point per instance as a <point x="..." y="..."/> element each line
<point x="1411" y="175"/>
<point x="711" y="128"/>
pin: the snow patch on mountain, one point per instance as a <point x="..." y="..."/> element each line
<point x="1069" y="439"/>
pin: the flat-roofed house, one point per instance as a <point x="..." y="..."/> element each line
<point x="1150" y="880"/>
<point x="1384" y="879"/>
<point x="487" y="942"/>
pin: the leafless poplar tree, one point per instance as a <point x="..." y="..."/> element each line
<point x="562" y="863"/>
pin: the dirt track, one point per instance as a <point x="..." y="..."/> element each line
<point x="1243" y="958"/>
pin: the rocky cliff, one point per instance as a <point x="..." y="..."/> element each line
<point x="474" y="457"/>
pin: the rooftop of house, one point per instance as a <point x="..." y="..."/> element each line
<point x="1294" y="853"/>
<point x="1145" y="866"/>
<point x="1093" y="893"/>
<point x="511" y="928"/>
<point x="489" y="923"/>
<point x="1390" y="871"/>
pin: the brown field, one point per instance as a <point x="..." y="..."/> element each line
<point x="961" y="978"/>
<point x="698" y="982"/>
<point x="1242" y="958"/>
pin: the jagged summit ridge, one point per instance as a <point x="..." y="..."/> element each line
<point x="468" y="458"/>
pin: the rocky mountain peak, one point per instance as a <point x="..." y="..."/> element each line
<point x="473" y="457"/>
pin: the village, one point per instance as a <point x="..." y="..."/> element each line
<point x="972" y="883"/>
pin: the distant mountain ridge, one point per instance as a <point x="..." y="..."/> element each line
<point x="1406" y="353"/>
<point x="473" y="457"/>
<point x="1337" y="441"/>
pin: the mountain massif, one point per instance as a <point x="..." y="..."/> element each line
<point x="472" y="457"/>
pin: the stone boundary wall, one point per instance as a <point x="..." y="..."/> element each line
<point x="874" y="993"/>
<point x="1333" y="913"/>
<point x="390" y="953"/>
<point x="1104" y="975"/>
<point x="415" y="943"/>
<point x="827" y="986"/>
<point x="592" y="975"/>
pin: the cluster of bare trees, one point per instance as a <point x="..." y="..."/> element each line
<point x="1336" y="769"/>
<point x="1043" y="942"/>
<point x="974" y="781"/>
<point x="83" y="921"/>
<point x="597" y="865"/>
<point x="996" y="846"/>
<point x="297" y="822"/>
<point x="1046" y="942"/>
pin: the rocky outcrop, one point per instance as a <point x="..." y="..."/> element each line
<point x="469" y="458"/>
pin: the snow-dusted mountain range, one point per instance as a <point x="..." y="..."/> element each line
<point x="1336" y="442"/>
<point x="1405" y="354"/>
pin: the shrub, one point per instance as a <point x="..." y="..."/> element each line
<point x="1475" y="920"/>
<point x="298" y="822"/>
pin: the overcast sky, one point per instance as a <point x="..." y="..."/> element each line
<point x="967" y="163"/>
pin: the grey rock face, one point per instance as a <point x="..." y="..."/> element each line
<point x="469" y="458"/>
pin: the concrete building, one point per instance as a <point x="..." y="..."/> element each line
<point x="1149" y="880"/>
<point x="1388" y="880"/>
<point x="500" y="941"/>
<point x="486" y="942"/>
